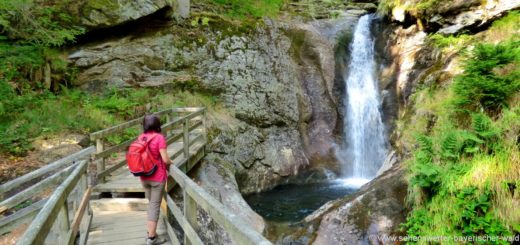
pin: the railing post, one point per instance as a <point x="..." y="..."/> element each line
<point x="100" y="164"/>
<point x="63" y="224"/>
<point x="204" y="130"/>
<point x="169" y="118"/>
<point x="186" y="143"/>
<point x="190" y="212"/>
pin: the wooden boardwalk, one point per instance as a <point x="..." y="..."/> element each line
<point x="121" y="228"/>
<point x="74" y="214"/>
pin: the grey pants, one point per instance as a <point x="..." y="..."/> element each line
<point x="153" y="192"/>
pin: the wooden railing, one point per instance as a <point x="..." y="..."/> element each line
<point x="52" y="224"/>
<point x="181" y="123"/>
<point x="28" y="185"/>
<point x="195" y="197"/>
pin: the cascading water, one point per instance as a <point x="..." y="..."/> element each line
<point x="362" y="153"/>
<point x="364" y="149"/>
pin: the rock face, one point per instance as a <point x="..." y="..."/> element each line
<point x="220" y="182"/>
<point x="95" y="14"/>
<point x="364" y="218"/>
<point x="475" y="17"/>
<point x="277" y="81"/>
<point x="452" y="17"/>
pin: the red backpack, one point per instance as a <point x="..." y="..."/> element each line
<point x="140" y="161"/>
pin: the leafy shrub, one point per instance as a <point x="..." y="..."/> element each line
<point x="416" y="222"/>
<point x="476" y="217"/>
<point x="481" y="87"/>
<point x="37" y="24"/>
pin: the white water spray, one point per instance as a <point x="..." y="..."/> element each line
<point x="364" y="149"/>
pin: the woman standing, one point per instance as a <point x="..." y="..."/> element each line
<point x="154" y="184"/>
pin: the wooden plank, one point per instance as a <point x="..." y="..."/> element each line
<point x="68" y="160"/>
<point x="83" y="237"/>
<point x="188" y="109"/>
<point x="21" y="216"/>
<point x="40" y="186"/>
<point x="190" y="212"/>
<point x="186" y="140"/>
<point x="76" y="221"/>
<point x="115" y="149"/>
<point x="240" y="231"/>
<point x="174" y="138"/>
<point x="183" y="222"/>
<point x="106" y="132"/>
<point x="100" y="163"/>
<point x="63" y="223"/>
<point x="41" y="225"/>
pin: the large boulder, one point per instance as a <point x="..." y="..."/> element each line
<point x="367" y="217"/>
<point x="96" y="14"/>
<point x="217" y="178"/>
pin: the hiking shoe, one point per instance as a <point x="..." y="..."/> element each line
<point x="157" y="240"/>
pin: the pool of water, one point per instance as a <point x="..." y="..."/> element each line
<point x="291" y="203"/>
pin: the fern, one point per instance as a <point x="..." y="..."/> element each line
<point x="425" y="143"/>
<point x="471" y="143"/>
<point x="450" y="146"/>
<point x="483" y="126"/>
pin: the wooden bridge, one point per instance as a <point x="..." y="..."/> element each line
<point x="76" y="212"/>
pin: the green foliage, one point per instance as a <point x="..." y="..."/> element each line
<point x="490" y="79"/>
<point x="426" y="176"/>
<point x="464" y="163"/>
<point x="450" y="147"/>
<point x="505" y="28"/>
<point x="450" y="41"/>
<point x="204" y="21"/>
<point x="241" y="9"/>
<point x="126" y="135"/>
<point x="37" y="24"/>
<point x="415" y="222"/>
<point x="476" y="218"/>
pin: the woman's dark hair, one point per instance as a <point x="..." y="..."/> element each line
<point x="151" y="123"/>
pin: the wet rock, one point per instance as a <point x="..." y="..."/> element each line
<point x="376" y="210"/>
<point x="391" y="160"/>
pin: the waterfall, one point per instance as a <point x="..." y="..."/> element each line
<point x="364" y="148"/>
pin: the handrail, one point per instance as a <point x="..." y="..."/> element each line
<point x="240" y="231"/>
<point x="46" y="169"/>
<point x="38" y="187"/>
<point x="56" y="206"/>
<point x="168" y="127"/>
<point x="194" y="140"/>
<point x="105" y="132"/>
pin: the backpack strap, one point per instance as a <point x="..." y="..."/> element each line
<point x="147" y="143"/>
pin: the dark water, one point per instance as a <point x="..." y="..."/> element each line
<point x="294" y="202"/>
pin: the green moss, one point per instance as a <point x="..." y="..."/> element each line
<point x="102" y="4"/>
